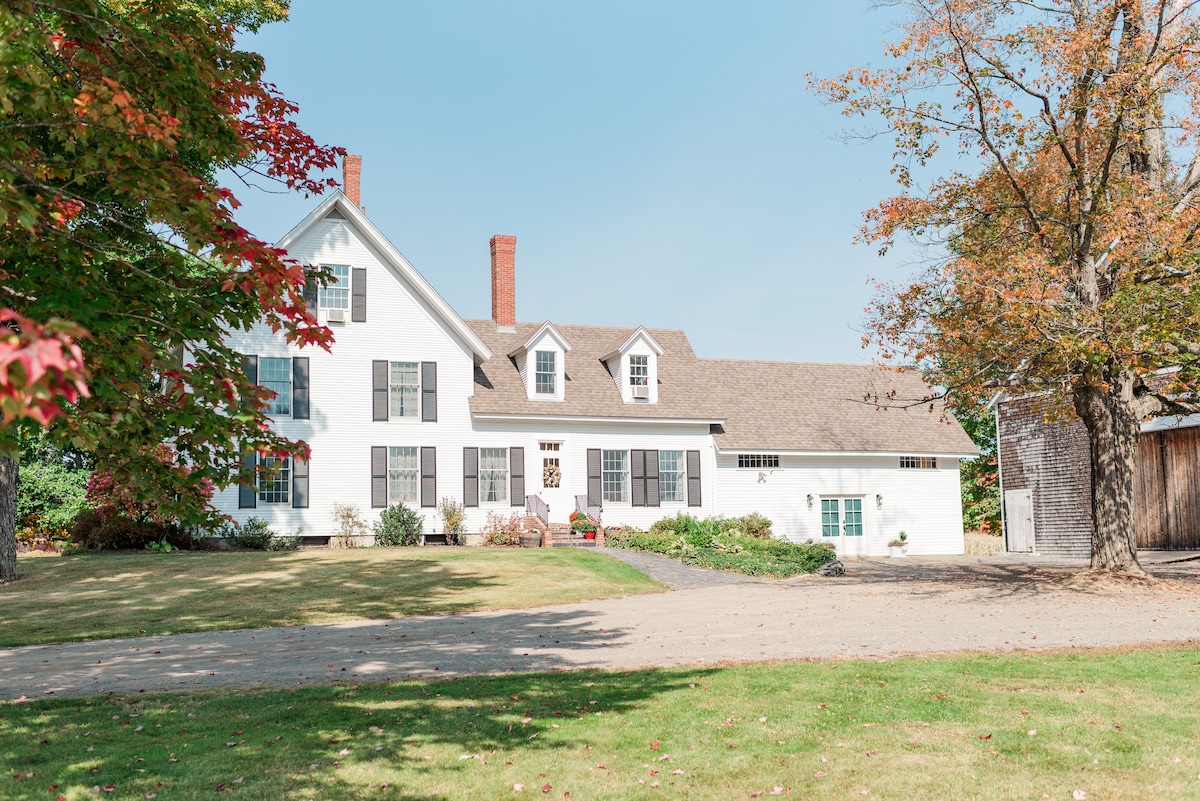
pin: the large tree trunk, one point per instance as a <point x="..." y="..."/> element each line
<point x="1113" y="430"/>
<point x="8" y="520"/>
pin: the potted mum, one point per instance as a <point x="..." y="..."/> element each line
<point x="899" y="546"/>
<point x="583" y="524"/>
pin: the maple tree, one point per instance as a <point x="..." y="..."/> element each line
<point x="120" y="253"/>
<point x="1070" y="240"/>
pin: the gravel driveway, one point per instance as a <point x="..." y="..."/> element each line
<point x="880" y="609"/>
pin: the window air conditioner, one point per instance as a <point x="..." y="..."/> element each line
<point x="335" y="315"/>
<point x="641" y="392"/>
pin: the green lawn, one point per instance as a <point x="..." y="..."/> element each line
<point x="1109" y="725"/>
<point x="92" y="596"/>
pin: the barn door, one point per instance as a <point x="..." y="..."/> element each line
<point x="1018" y="519"/>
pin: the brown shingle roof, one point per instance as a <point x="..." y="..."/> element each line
<point x="796" y="406"/>
<point x="766" y="406"/>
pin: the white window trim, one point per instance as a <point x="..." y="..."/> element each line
<point x="555" y="375"/>
<point x="504" y="484"/>
<point x="322" y="297"/>
<point x="415" y="417"/>
<point x="287" y="396"/>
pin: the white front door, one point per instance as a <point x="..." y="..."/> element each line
<point x="842" y="525"/>
<point x="1018" y="519"/>
<point x="550" y="481"/>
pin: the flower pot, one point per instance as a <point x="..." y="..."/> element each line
<point x="589" y="535"/>
<point x="896" y="551"/>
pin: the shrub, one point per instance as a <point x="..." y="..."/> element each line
<point x="114" y="497"/>
<point x="257" y="535"/>
<point x="501" y="530"/>
<point x="399" y="525"/>
<point x="348" y="525"/>
<point x="725" y="544"/>
<point x="755" y="525"/>
<point x="49" y="496"/>
<point x="98" y="532"/>
<point x="453" y="520"/>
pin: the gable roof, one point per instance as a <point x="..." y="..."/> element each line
<point x="623" y="343"/>
<point x="547" y="328"/>
<point x="807" y="407"/>
<point x="338" y="206"/>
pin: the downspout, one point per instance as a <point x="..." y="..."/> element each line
<point x="1000" y="479"/>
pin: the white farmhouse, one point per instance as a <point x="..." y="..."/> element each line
<point x="415" y="404"/>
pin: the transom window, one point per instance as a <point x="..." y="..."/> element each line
<point x="639" y="371"/>
<point x="402" y="475"/>
<point x="919" y="462"/>
<point x="274" y="485"/>
<point x="546" y="372"/>
<point x="758" y="461"/>
<point x="672" y="476"/>
<point x="493" y="474"/>
<point x="614" y="475"/>
<point x="402" y="389"/>
<point x="276" y="374"/>
<point x="337" y="294"/>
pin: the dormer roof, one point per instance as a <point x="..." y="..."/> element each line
<point x="547" y="328"/>
<point x="621" y="345"/>
<point x="337" y="206"/>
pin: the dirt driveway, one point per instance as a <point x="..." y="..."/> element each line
<point x="880" y="609"/>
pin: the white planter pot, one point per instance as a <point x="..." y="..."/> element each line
<point x="897" y="551"/>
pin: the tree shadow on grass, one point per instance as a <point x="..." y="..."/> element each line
<point x="425" y="740"/>
<point x="124" y="595"/>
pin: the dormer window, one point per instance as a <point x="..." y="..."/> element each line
<point x="542" y="362"/>
<point x="639" y="371"/>
<point x="546" y="372"/>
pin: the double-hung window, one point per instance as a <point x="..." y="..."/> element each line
<point x="275" y="483"/>
<point x="403" y="389"/>
<point x="493" y="475"/>
<point x="639" y="371"/>
<point x="614" y="475"/>
<point x="546" y="372"/>
<point x="672" y="477"/>
<point x="336" y="295"/>
<point x="403" y="476"/>
<point x="276" y="374"/>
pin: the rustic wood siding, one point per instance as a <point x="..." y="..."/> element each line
<point x="1053" y="460"/>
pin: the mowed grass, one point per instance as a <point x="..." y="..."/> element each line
<point x="1109" y="725"/>
<point x="92" y="596"/>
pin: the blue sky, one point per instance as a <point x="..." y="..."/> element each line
<point x="660" y="163"/>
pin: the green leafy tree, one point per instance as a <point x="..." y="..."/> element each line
<point x="116" y="117"/>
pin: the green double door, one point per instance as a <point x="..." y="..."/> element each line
<point x="842" y="525"/>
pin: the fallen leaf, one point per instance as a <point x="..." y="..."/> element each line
<point x="1079" y="795"/>
<point x="518" y="788"/>
<point x="985" y="737"/>
<point x="546" y="787"/>
<point x="655" y="746"/>
<point x="820" y="774"/>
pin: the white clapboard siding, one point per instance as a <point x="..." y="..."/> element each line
<point x="923" y="503"/>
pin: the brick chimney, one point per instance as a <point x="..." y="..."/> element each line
<point x="504" y="282"/>
<point x="352" y="178"/>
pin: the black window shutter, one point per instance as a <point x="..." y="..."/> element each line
<point x="652" y="498"/>
<point x="300" y="388"/>
<point x="358" y="295"/>
<point x="470" y="476"/>
<point x="310" y="291"/>
<point x="248" y="481"/>
<point x="693" y="478"/>
<point x="428" y="477"/>
<point x="250" y="368"/>
<point x="429" y="392"/>
<point x="595" y="487"/>
<point x="637" y="478"/>
<point x="379" y="390"/>
<point x="299" y="483"/>
<point x="378" y="477"/>
<point x="516" y="476"/>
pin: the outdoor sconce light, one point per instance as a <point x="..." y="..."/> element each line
<point x="810" y="500"/>
<point x="878" y="501"/>
<point x="762" y="478"/>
